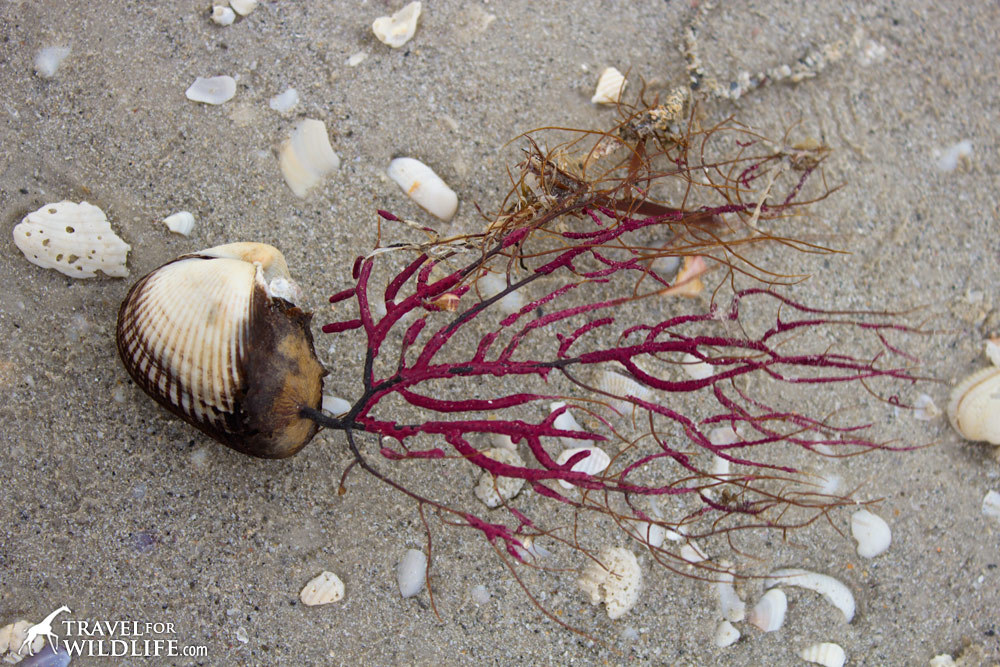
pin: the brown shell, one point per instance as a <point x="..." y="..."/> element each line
<point x="203" y="337"/>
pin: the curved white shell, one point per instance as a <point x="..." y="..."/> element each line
<point x="397" y="29"/>
<point x="621" y="386"/>
<point x="322" y="589"/>
<point x="12" y="636"/>
<point x="826" y="654"/>
<point x="596" y="462"/>
<point x="307" y="157"/>
<point x="769" y="612"/>
<point x="609" y="87"/>
<point x="411" y="573"/>
<point x="181" y="223"/>
<point x="992" y="350"/>
<point x="493" y="491"/>
<point x="695" y="368"/>
<point x="833" y="590"/>
<point x="974" y="408"/>
<point x="492" y="284"/>
<point x="74" y="239"/>
<point x="652" y="534"/>
<point x="871" y="532"/>
<point x="284" y="102"/>
<point x="335" y="405"/>
<point x="614" y="579"/>
<point x="212" y="90"/>
<point x="991" y="504"/>
<point x="726" y="635"/>
<point x="243" y="7"/>
<point x="730" y="604"/>
<point x="567" y="422"/>
<point x="424" y="187"/>
<point x="223" y="15"/>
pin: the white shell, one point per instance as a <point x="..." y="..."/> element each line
<point x="74" y="239"/>
<point x="769" y="612"/>
<point x="567" y="422"/>
<point x="12" y="637"/>
<point x="307" y="157"/>
<point x="724" y="435"/>
<point x="730" y="604"/>
<point x="322" y="589"/>
<point x="47" y="60"/>
<point x="243" y="7"/>
<point x="925" y="409"/>
<point x="871" y="532"/>
<point x="992" y="350"/>
<point x="833" y="590"/>
<point x="826" y="654"/>
<point x="214" y="90"/>
<point x="284" y="102"/>
<point x="609" y="87"/>
<point x="974" y="408"/>
<point x="492" y="284"/>
<point x="181" y="223"/>
<point x="223" y="15"/>
<point x="614" y="579"/>
<point x="596" y="462"/>
<point x="335" y="405"/>
<point x="397" y="29"/>
<point x="697" y="369"/>
<point x="692" y="553"/>
<point x="493" y="491"/>
<point x="991" y="504"/>
<point x="622" y="386"/>
<point x="726" y="635"/>
<point x="652" y="534"/>
<point x="424" y="187"/>
<point x="411" y="573"/>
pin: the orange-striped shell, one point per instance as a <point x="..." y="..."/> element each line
<point x="204" y="336"/>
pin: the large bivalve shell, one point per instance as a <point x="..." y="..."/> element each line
<point x="974" y="408"/>
<point x="207" y="338"/>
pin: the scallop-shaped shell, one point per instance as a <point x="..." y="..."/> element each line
<point x="615" y="579"/>
<point x="826" y="654"/>
<point x="974" y="408"/>
<point x="609" y="87"/>
<point x="596" y="461"/>
<point x="75" y="239"/>
<point x="769" y="612"/>
<point x="324" y="588"/>
<point x="204" y="336"/>
<point x="620" y="387"/>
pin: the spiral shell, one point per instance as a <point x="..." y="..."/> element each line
<point x="207" y="337"/>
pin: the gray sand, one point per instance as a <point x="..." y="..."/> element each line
<point x="120" y="512"/>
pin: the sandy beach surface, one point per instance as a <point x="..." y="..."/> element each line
<point x="119" y="511"/>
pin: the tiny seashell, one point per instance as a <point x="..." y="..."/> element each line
<point x="223" y="15"/>
<point x="243" y="7"/>
<point x="974" y="408"/>
<point x="726" y="635"/>
<point x="617" y="385"/>
<point x="503" y="441"/>
<point x="424" y="187"/>
<point x="948" y="159"/>
<point x="181" y="223"/>
<point x="688" y="281"/>
<point x="596" y="462"/>
<point x="697" y="369"/>
<point x="411" y="573"/>
<point x="692" y="553"/>
<point x="322" y="589"/>
<point x="531" y="549"/>
<point x="492" y="284"/>
<point x="609" y="87"/>
<point x="203" y="336"/>
<point x="992" y="350"/>
<point x="730" y="604"/>
<point x="652" y="534"/>
<point x="991" y="504"/>
<point x="284" y="102"/>
<point x="924" y="408"/>
<point x="769" y="612"/>
<point x="47" y="60"/>
<point x="307" y="157"/>
<point x="871" y="532"/>
<point x="724" y="435"/>
<point x="494" y="491"/>
<point x="567" y="422"/>
<point x="826" y="654"/>
<point x="615" y="579"/>
<point x="397" y="29"/>
<point x="74" y="239"/>
<point x="213" y="90"/>
<point x="834" y="591"/>
<point x="479" y="594"/>
<point x="356" y="59"/>
<point x="335" y="405"/>
<point x="12" y="639"/>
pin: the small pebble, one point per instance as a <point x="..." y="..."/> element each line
<point x="241" y="634"/>
<point x="480" y="595"/>
<point x="47" y="60"/>
<point x="411" y="573"/>
<point x="223" y="15"/>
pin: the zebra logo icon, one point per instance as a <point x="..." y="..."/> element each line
<point x="43" y="629"/>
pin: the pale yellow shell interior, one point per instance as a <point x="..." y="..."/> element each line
<point x="974" y="408"/>
<point x="270" y="259"/>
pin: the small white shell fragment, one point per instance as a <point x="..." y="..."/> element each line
<point x="726" y="635"/>
<point x="356" y="59"/>
<point x="567" y="422"/>
<point x="942" y="660"/>
<point x="974" y="408"/>
<point x="494" y="491"/>
<point x="335" y="405"/>
<point x="724" y="435"/>
<point x="696" y="368"/>
<point x="424" y="187"/>
<point x="11" y="638"/>
<point x="991" y="504"/>
<point x="769" y="612"/>
<point x="281" y="287"/>
<point x="730" y="604"/>
<point x="992" y="350"/>
<point x="492" y="284"/>
<point x="284" y="102"/>
<point x="531" y="549"/>
<point x="479" y="594"/>
<point x="213" y="90"/>
<point x="397" y="29"/>
<point x="307" y="157"/>
<point x="181" y="223"/>
<point x="597" y="461"/>
<point x="834" y="591"/>
<point x="826" y="654"/>
<point x="74" y="239"/>
<point x="322" y="589"/>
<point x="652" y="534"/>
<point x="924" y="408"/>
<point x="609" y="87"/>
<point x="616" y="384"/>
<point x="871" y="532"/>
<point x="243" y="7"/>
<point x="47" y="60"/>
<point x="503" y="441"/>
<point x="948" y="160"/>
<point x="411" y="573"/>
<point x="692" y="553"/>
<point x="614" y="579"/>
<point x="223" y="15"/>
<point x="242" y="636"/>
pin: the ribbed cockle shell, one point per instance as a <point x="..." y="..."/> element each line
<point x="210" y="338"/>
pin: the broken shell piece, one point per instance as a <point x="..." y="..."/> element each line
<point x="214" y="90"/>
<point x="322" y="589"/>
<point x="648" y="533"/>
<point x="609" y="87"/>
<point x="181" y="223"/>
<point x="397" y="29"/>
<point x="494" y="491"/>
<point x="992" y="350"/>
<point x="47" y="60"/>
<point x="692" y="553"/>
<point x="991" y="504"/>
<point x="834" y="591"/>
<point x="687" y="282"/>
<point x="595" y="462"/>
<point x="924" y="408"/>
<point x="411" y="573"/>
<point x="335" y="405"/>
<point x="974" y="408"/>
<point x="620" y="387"/>
<point x="726" y="635"/>
<point x="243" y="7"/>
<point x="769" y="612"/>
<point x="696" y="368"/>
<point x="307" y="157"/>
<point x="74" y="239"/>
<point x="423" y="186"/>
<point x="730" y="604"/>
<point x="12" y="638"/>
<point x="871" y="532"/>
<point x="615" y="579"/>
<point x="826" y="654"/>
<point x="492" y="284"/>
<point x="567" y="422"/>
<point x="284" y="102"/>
<point x="223" y="15"/>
